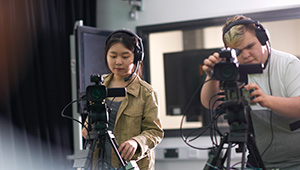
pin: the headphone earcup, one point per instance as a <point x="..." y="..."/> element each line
<point x="261" y="34"/>
<point x="138" y="55"/>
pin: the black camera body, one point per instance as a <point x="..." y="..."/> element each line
<point x="98" y="92"/>
<point x="229" y="70"/>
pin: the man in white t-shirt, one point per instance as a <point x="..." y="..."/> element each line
<point x="275" y="107"/>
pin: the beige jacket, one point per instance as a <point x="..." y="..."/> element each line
<point x="138" y="118"/>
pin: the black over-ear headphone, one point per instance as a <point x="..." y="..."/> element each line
<point x="260" y="31"/>
<point x="138" y="49"/>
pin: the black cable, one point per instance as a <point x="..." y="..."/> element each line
<point x="62" y="112"/>
<point x="212" y="110"/>
<point x="185" y="139"/>
<point x="271" y="93"/>
<point x="216" y="114"/>
<point x="214" y="119"/>
<point x="210" y="100"/>
<point x="185" y="113"/>
<point x="212" y="122"/>
<point x="65" y="116"/>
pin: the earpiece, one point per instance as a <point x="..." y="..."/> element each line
<point x="260" y="31"/>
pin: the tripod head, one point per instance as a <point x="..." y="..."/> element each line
<point x="235" y="106"/>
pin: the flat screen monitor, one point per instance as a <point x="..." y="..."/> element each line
<point x="90" y="44"/>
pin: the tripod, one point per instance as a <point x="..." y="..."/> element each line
<point x="100" y="133"/>
<point x="238" y="114"/>
<point x="97" y="129"/>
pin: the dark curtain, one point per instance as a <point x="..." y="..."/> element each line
<point x="36" y="81"/>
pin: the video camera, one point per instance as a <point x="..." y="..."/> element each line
<point x="99" y="92"/>
<point x="229" y="70"/>
<point x="233" y="76"/>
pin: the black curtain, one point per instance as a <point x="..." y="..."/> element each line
<point x="36" y="81"/>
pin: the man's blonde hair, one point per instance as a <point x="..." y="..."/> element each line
<point x="235" y="34"/>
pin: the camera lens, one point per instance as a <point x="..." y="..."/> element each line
<point x="227" y="71"/>
<point x="97" y="93"/>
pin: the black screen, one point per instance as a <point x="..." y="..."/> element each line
<point x="183" y="76"/>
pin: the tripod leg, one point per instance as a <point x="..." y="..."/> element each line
<point x="102" y="152"/>
<point x="114" y="144"/>
<point x="244" y="155"/>
<point x="100" y="163"/>
<point x="89" y="159"/>
<point x="228" y="156"/>
<point x="253" y="150"/>
<point x="215" y="160"/>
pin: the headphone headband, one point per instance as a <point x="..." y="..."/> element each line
<point x="260" y="31"/>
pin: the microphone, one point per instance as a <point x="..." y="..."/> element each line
<point x="135" y="70"/>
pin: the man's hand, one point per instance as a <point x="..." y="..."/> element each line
<point x="210" y="62"/>
<point x="257" y="95"/>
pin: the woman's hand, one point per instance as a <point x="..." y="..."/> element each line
<point x="127" y="149"/>
<point x="84" y="133"/>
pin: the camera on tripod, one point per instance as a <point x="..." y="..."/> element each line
<point x="232" y="77"/>
<point x="97" y="128"/>
<point x="98" y="116"/>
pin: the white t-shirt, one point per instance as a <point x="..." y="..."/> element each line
<point x="284" y="76"/>
<point x="280" y="78"/>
